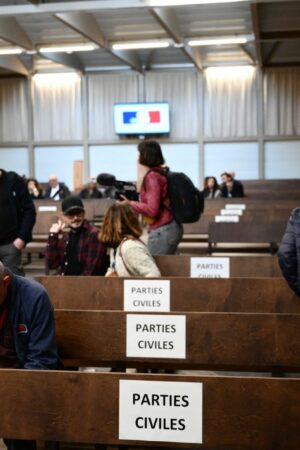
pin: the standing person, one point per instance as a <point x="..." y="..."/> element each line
<point x="27" y="331"/>
<point x="56" y="190"/>
<point x="17" y="219"/>
<point x="289" y="252"/>
<point x="164" y="232"/>
<point x="211" y="188"/>
<point x="230" y="186"/>
<point x="78" y="252"/>
<point x="121" y="231"/>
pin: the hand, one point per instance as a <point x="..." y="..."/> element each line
<point x="57" y="227"/>
<point x="19" y="244"/>
<point x="124" y="200"/>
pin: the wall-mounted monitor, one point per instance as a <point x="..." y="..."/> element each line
<point x="142" y="118"/>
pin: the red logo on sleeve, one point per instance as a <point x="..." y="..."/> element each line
<point x="22" y="328"/>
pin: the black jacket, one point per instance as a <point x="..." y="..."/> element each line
<point x="236" y="191"/>
<point x="63" y="191"/>
<point x="289" y="252"/>
<point x="23" y="206"/>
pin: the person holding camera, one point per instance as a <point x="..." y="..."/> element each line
<point x="164" y="232"/>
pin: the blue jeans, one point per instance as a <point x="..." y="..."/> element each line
<point x="165" y="239"/>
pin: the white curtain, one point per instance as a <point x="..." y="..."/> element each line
<point x="282" y="101"/>
<point x="180" y="90"/>
<point x="103" y="92"/>
<point x="230" y="102"/>
<point x="13" y="110"/>
<point x="57" y="107"/>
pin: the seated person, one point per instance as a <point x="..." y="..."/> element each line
<point x="78" y="251"/>
<point x="211" y="188"/>
<point x="91" y="190"/>
<point x="34" y="188"/>
<point x="121" y="231"/>
<point x="230" y="186"/>
<point x="56" y="190"/>
<point x="27" y="333"/>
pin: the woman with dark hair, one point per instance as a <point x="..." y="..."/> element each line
<point x="34" y="188"/>
<point x="211" y="188"/>
<point x="164" y="232"/>
<point x="121" y="231"/>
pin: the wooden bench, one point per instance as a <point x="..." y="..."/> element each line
<point x="238" y="413"/>
<point x="263" y="295"/>
<point x="214" y="341"/>
<point x="252" y="232"/>
<point x="240" y="266"/>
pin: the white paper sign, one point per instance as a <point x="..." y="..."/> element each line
<point x="165" y="411"/>
<point x="227" y="218"/>
<point x="147" y="295"/>
<point x="155" y="336"/>
<point x="47" y="208"/>
<point x="235" y="206"/>
<point x="231" y="212"/>
<point x="210" y="267"/>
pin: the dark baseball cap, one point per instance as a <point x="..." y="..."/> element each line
<point x="71" y="205"/>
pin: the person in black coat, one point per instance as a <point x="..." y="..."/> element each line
<point x="231" y="187"/>
<point x="56" y="190"/>
<point x="91" y="190"/>
<point x="289" y="252"/>
<point x="17" y="219"/>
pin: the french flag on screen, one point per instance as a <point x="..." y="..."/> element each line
<point x="141" y="117"/>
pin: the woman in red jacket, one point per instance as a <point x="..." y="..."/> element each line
<point x="164" y="232"/>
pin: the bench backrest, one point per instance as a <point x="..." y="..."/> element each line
<point x="214" y="341"/>
<point x="248" y="413"/>
<point x="268" y="295"/>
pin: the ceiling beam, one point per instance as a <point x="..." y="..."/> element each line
<point x="256" y="31"/>
<point x="272" y="52"/>
<point x="248" y="53"/>
<point x="11" y="32"/>
<point x="167" y="19"/>
<point x="84" y="24"/>
<point x="13" y="63"/>
<point x="280" y="35"/>
<point x="194" y="55"/>
<point x="70" y="60"/>
<point x="128" y="57"/>
<point x="89" y="5"/>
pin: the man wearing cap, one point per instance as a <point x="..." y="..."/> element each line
<point x="27" y="331"/>
<point x="78" y="251"/>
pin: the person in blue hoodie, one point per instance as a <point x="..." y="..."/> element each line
<point x="27" y="331"/>
<point x="289" y="252"/>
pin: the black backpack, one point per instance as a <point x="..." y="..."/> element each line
<point x="186" y="201"/>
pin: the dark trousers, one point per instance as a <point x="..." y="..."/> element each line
<point x="18" y="444"/>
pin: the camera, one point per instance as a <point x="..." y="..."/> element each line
<point x="116" y="188"/>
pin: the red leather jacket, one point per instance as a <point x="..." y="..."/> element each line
<point x="153" y="199"/>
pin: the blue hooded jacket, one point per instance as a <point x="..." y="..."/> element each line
<point x="31" y="314"/>
<point x="289" y="252"/>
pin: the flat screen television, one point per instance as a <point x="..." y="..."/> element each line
<point x="142" y="118"/>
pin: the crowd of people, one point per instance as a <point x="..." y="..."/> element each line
<point x="77" y="247"/>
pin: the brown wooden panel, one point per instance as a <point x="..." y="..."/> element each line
<point x="268" y="295"/>
<point x="217" y="341"/>
<point x="238" y="413"/>
<point x="240" y="266"/>
<point x="251" y="232"/>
